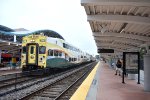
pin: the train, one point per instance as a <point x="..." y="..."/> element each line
<point x="40" y="51"/>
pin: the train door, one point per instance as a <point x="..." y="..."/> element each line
<point x="32" y="54"/>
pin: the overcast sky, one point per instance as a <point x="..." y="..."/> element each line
<point x="67" y="17"/>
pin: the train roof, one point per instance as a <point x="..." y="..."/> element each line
<point x="48" y="33"/>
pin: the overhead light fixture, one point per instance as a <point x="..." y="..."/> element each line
<point x="112" y="42"/>
<point x="123" y="27"/>
<point x="103" y="30"/>
<point x="122" y="30"/>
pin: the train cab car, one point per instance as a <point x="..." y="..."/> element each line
<point x="44" y="52"/>
<point x="33" y="52"/>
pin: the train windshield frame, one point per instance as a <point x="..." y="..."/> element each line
<point x="42" y="50"/>
<point x="24" y="50"/>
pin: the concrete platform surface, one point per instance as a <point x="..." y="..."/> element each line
<point x="105" y="85"/>
<point x="82" y="92"/>
<point x="111" y="88"/>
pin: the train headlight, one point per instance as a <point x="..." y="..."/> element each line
<point x="32" y="40"/>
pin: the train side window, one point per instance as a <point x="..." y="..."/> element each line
<point x="64" y="45"/>
<point x="50" y="52"/>
<point x="75" y="59"/>
<point x="42" y="49"/>
<point x="60" y="53"/>
<point x="32" y="50"/>
<point x="55" y="53"/>
<point x="69" y="59"/>
<point x="24" y="50"/>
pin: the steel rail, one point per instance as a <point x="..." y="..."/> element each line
<point x="48" y="85"/>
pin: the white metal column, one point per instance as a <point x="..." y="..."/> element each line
<point x="14" y="38"/>
<point x="0" y="55"/>
<point x="147" y="73"/>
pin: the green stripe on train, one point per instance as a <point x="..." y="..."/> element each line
<point x="58" y="63"/>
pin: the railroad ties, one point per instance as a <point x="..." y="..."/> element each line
<point x="59" y="86"/>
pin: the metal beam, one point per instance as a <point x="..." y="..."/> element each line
<point x="116" y="45"/>
<point x="10" y="46"/>
<point x="92" y="26"/>
<point x="121" y="40"/>
<point x="115" y="48"/>
<point x="3" y="44"/>
<point x="119" y="49"/>
<point x="130" y="10"/>
<point x="15" y="49"/>
<point x="116" y="2"/>
<point x="115" y="42"/>
<point x="120" y="18"/>
<point x="124" y="35"/>
<point x="87" y="10"/>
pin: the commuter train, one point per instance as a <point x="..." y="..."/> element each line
<point x="43" y="52"/>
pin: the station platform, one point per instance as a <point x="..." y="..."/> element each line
<point x="103" y="84"/>
<point x="9" y="70"/>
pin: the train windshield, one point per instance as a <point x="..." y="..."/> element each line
<point x="24" y="50"/>
<point x="32" y="50"/>
<point x="42" y="49"/>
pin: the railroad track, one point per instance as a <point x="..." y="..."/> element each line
<point x="9" y="77"/>
<point x="10" y="82"/>
<point x="59" y="88"/>
<point x="28" y="87"/>
<point x="23" y="84"/>
<point x="15" y="84"/>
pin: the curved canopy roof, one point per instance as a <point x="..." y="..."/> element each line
<point x="48" y="33"/>
<point x="5" y="29"/>
<point x="7" y="35"/>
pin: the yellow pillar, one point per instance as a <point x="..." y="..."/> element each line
<point x="13" y="62"/>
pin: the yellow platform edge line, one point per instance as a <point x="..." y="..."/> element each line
<point x="82" y="91"/>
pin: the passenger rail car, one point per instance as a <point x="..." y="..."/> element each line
<point x="43" y="52"/>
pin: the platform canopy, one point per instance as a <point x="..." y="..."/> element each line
<point x="9" y="42"/>
<point x="122" y="25"/>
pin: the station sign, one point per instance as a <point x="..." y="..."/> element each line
<point x="131" y="64"/>
<point x="105" y="50"/>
